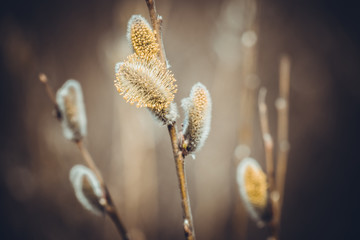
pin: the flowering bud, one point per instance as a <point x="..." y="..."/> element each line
<point x="253" y="188"/>
<point x="88" y="189"/>
<point x="145" y="81"/>
<point x="141" y="37"/>
<point x="71" y="105"/>
<point x="197" y="120"/>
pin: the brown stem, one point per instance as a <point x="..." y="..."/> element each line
<point x="44" y="80"/>
<point x="273" y="230"/>
<point x="111" y="211"/>
<point x="282" y="105"/>
<point x="89" y="161"/>
<point x="180" y="169"/>
<point x="268" y="141"/>
<point x="276" y="184"/>
<point x="189" y="230"/>
<point x="108" y="203"/>
<point x="156" y="22"/>
<point x="269" y="147"/>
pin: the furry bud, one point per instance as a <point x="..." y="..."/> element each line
<point x="88" y="189"/>
<point x="145" y="81"/>
<point x="196" y="126"/>
<point x="141" y="37"/>
<point x="71" y="105"/>
<point x="253" y="189"/>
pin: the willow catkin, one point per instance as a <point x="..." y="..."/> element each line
<point x="146" y="82"/>
<point x="141" y="37"/>
<point x="253" y="188"/>
<point x="87" y="189"/>
<point x="196" y="125"/>
<point x="71" y="105"/>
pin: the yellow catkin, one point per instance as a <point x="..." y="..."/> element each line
<point x="256" y="186"/>
<point x="200" y="104"/>
<point x="141" y="37"/>
<point x="145" y="81"/>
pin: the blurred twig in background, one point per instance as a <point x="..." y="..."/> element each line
<point x="283" y="145"/>
<point x="276" y="179"/>
<point x="107" y="201"/>
<point x="236" y="44"/>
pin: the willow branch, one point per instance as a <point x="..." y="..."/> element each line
<point x="156" y="22"/>
<point x="89" y="161"/>
<point x="44" y="80"/>
<point x="112" y="212"/>
<point x="108" y="203"/>
<point x="282" y="105"/>
<point x="189" y="231"/>
<point x="269" y="147"/>
<point x="180" y="169"/>
<point x="268" y="141"/>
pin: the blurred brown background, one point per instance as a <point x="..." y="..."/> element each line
<point x="203" y="41"/>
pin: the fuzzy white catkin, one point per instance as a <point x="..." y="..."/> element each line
<point x="254" y="212"/>
<point x="145" y="81"/>
<point x="77" y="175"/>
<point x="196" y="125"/>
<point x="165" y="116"/>
<point x="70" y="101"/>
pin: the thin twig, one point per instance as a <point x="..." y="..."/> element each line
<point x="269" y="147"/>
<point x="44" y="80"/>
<point x="276" y="184"/>
<point x="156" y="22"/>
<point x="189" y="230"/>
<point x="180" y="169"/>
<point x="107" y="203"/>
<point x="282" y="106"/>
<point x="89" y="161"/>
<point x="112" y="212"/>
<point x="268" y="141"/>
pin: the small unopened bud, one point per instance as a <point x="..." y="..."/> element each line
<point x="145" y="81"/>
<point x="141" y="37"/>
<point x="71" y="105"/>
<point x="88" y="189"/>
<point x="196" y="126"/>
<point x="253" y="188"/>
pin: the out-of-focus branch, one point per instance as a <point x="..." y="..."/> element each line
<point x="283" y="146"/>
<point x="269" y="148"/>
<point x="276" y="183"/>
<point x="107" y="201"/>
<point x="268" y="141"/>
<point x="44" y="80"/>
<point x="189" y="230"/>
<point x="113" y="214"/>
<point x="89" y="161"/>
